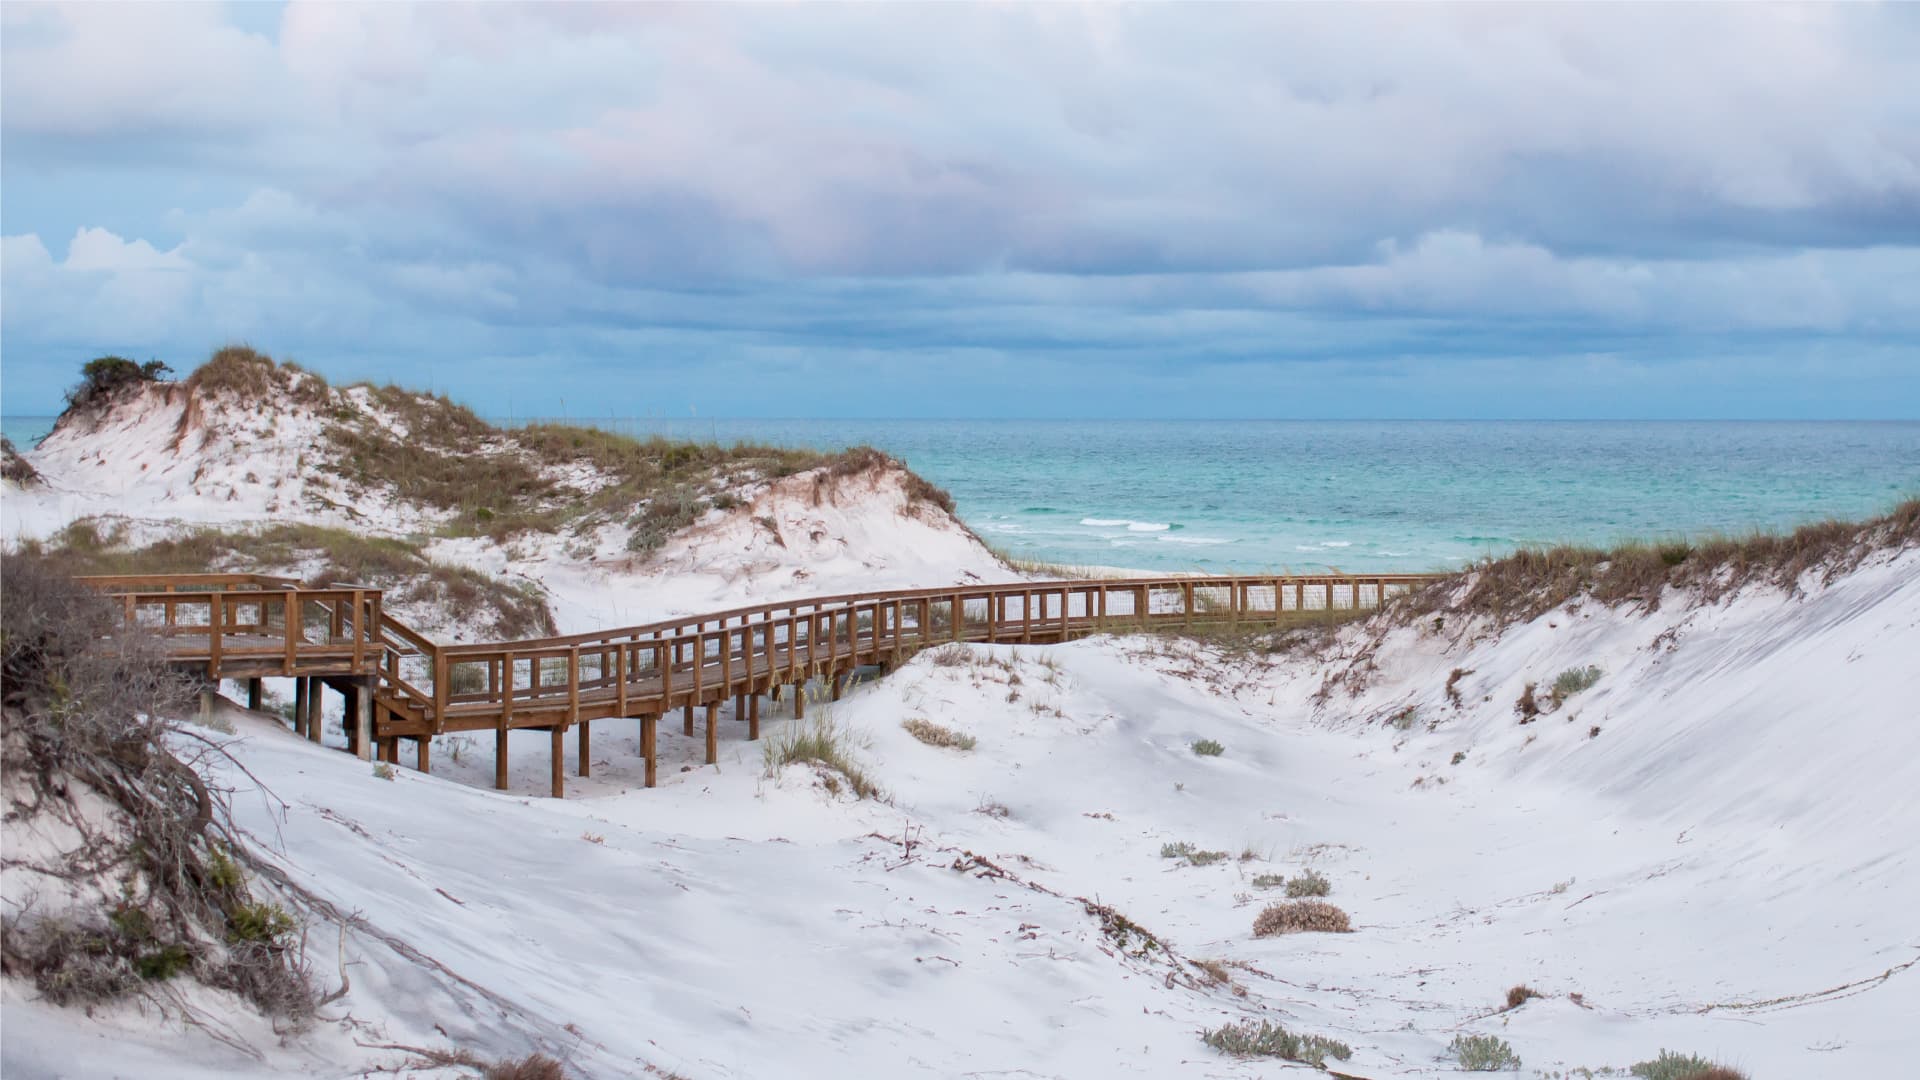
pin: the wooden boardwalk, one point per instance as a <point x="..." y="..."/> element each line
<point x="400" y="685"/>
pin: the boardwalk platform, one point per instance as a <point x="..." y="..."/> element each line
<point x="400" y="685"/>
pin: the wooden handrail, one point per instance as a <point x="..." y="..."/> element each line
<point x="701" y="658"/>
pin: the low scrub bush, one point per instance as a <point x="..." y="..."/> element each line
<point x="1572" y="681"/>
<point x="1311" y="883"/>
<point x="1268" y="881"/>
<point x="934" y="735"/>
<point x="102" y="379"/>
<point x="1263" y="1038"/>
<point x="1672" y="1066"/>
<point x="1483" y="1053"/>
<point x="1301" y="917"/>
<point x="1208" y="748"/>
<point x="1520" y="995"/>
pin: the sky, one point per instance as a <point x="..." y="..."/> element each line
<point x="1194" y="210"/>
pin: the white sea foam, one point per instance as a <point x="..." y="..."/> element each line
<point x="1194" y="540"/>
<point x="1104" y="523"/>
<point x="1148" y="526"/>
<point x="1336" y="543"/>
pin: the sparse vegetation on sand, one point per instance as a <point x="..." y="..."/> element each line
<point x="1483" y="1053"/>
<point x="1301" y="917"/>
<point x="500" y="482"/>
<point x="935" y="735"/>
<point x="1673" y="1066"/>
<point x="823" y="743"/>
<point x="1520" y="995"/>
<point x="1208" y="748"/>
<point x="1263" y="1038"/>
<point x="1269" y="881"/>
<point x="1533" y="581"/>
<point x="159" y="878"/>
<point x="1194" y="856"/>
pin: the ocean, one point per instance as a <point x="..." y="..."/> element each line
<point x="1235" y="495"/>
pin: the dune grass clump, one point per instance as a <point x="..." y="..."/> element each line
<point x="14" y="467"/>
<point x="1269" y="881"/>
<point x="1311" y="883"/>
<point x="1483" y="1053"/>
<point x="1301" y="917"/>
<point x="1672" y="1066"/>
<point x="1263" y="1038"/>
<point x="823" y="744"/>
<point x="1533" y="581"/>
<point x="934" y="735"/>
<point x="1520" y="995"/>
<point x="1208" y="748"/>
<point x="1527" y="707"/>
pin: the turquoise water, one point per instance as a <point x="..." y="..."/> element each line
<point x="1356" y="495"/>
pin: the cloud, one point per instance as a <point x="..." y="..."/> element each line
<point x="1154" y="189"/>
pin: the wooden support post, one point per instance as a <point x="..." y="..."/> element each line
<point x="713" y="735"/>
<point x="649" y="739"/>
<point x="505" y="725"/>
<point x="740" y="706"/>
<point x="559" y="761"/>
<point x="316" y="728"/>
<point x="206" y="704"/>
<point x="753" y="717"/>
<point x="422" y="752"/>
<point x="253" y="694"/>
<point x="837" y="680"/>
<point x="360" y="702"/>
<point x="799" y="701"/>
<point x="689" y="718"/>
<point x="300" y="705"/>
<point x="586" y="752"/>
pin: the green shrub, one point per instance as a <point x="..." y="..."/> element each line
<point x="1403" y="719"/>
<point x="104" y="376"/>
<point x="1208" y="748"/>
<point x="1265" y="1039"/>
<point x="1178" y="849"/>
<point x="1268" y="881"/>
<point x="1310" y="883"/>
<point x="258" y="921"/>
<point x="1483" y="1053"/>
<point x="1572" y="681"/>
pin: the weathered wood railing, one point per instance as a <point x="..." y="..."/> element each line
<point x="416" y="688"/>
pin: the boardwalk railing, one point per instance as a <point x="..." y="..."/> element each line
<point x="400" y="684"/>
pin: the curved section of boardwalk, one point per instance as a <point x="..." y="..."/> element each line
<point x="399" y="684"/>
